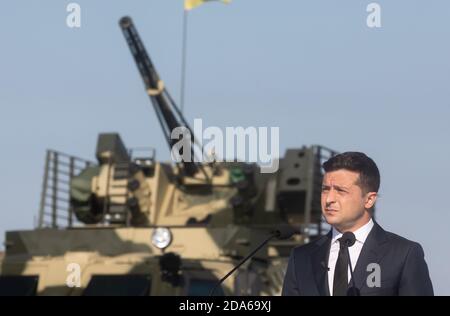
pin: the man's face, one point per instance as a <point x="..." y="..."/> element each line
<point x="343" y="202"/>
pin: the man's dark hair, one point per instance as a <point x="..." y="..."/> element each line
<point x="369" y="175"/>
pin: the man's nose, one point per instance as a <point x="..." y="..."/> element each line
<point x="331" y="197"/>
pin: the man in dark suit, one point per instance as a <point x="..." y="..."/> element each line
<point x="382" y="263"/>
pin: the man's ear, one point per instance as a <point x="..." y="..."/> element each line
<point x="371" y="198"/>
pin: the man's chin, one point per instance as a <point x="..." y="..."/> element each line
<point x="333" y="221"/>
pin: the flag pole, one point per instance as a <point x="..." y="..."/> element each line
<point x="183" y="59"/>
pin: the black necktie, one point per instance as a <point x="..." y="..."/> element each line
<point x="340" y="281"/>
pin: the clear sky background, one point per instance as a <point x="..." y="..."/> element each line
<point x="311" y="67"/>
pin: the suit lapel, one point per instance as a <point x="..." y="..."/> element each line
<point x="319" y="260"/>
<point x="371" y="252"/>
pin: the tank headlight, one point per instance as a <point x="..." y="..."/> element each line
<point x="162" y="237"/>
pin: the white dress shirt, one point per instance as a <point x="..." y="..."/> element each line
<point x="361" y="236"/>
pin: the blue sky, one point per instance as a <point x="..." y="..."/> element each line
<point x="312" y="68"/>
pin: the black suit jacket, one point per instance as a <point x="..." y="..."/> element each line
<point x="403" y="270"/>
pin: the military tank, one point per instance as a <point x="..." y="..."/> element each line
<point x="128" y="224"/>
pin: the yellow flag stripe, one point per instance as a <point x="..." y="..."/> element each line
<point x="191" y="4"/>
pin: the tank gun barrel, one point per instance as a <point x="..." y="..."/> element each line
<point x="169" y="116"/>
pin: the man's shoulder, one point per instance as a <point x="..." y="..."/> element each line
<point x="400" y="242"/>
<point x="396" y="241"/>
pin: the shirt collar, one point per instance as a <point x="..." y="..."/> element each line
<point x="360" y="234"/>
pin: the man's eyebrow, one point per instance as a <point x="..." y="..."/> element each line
<point x="339" y="187"/>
